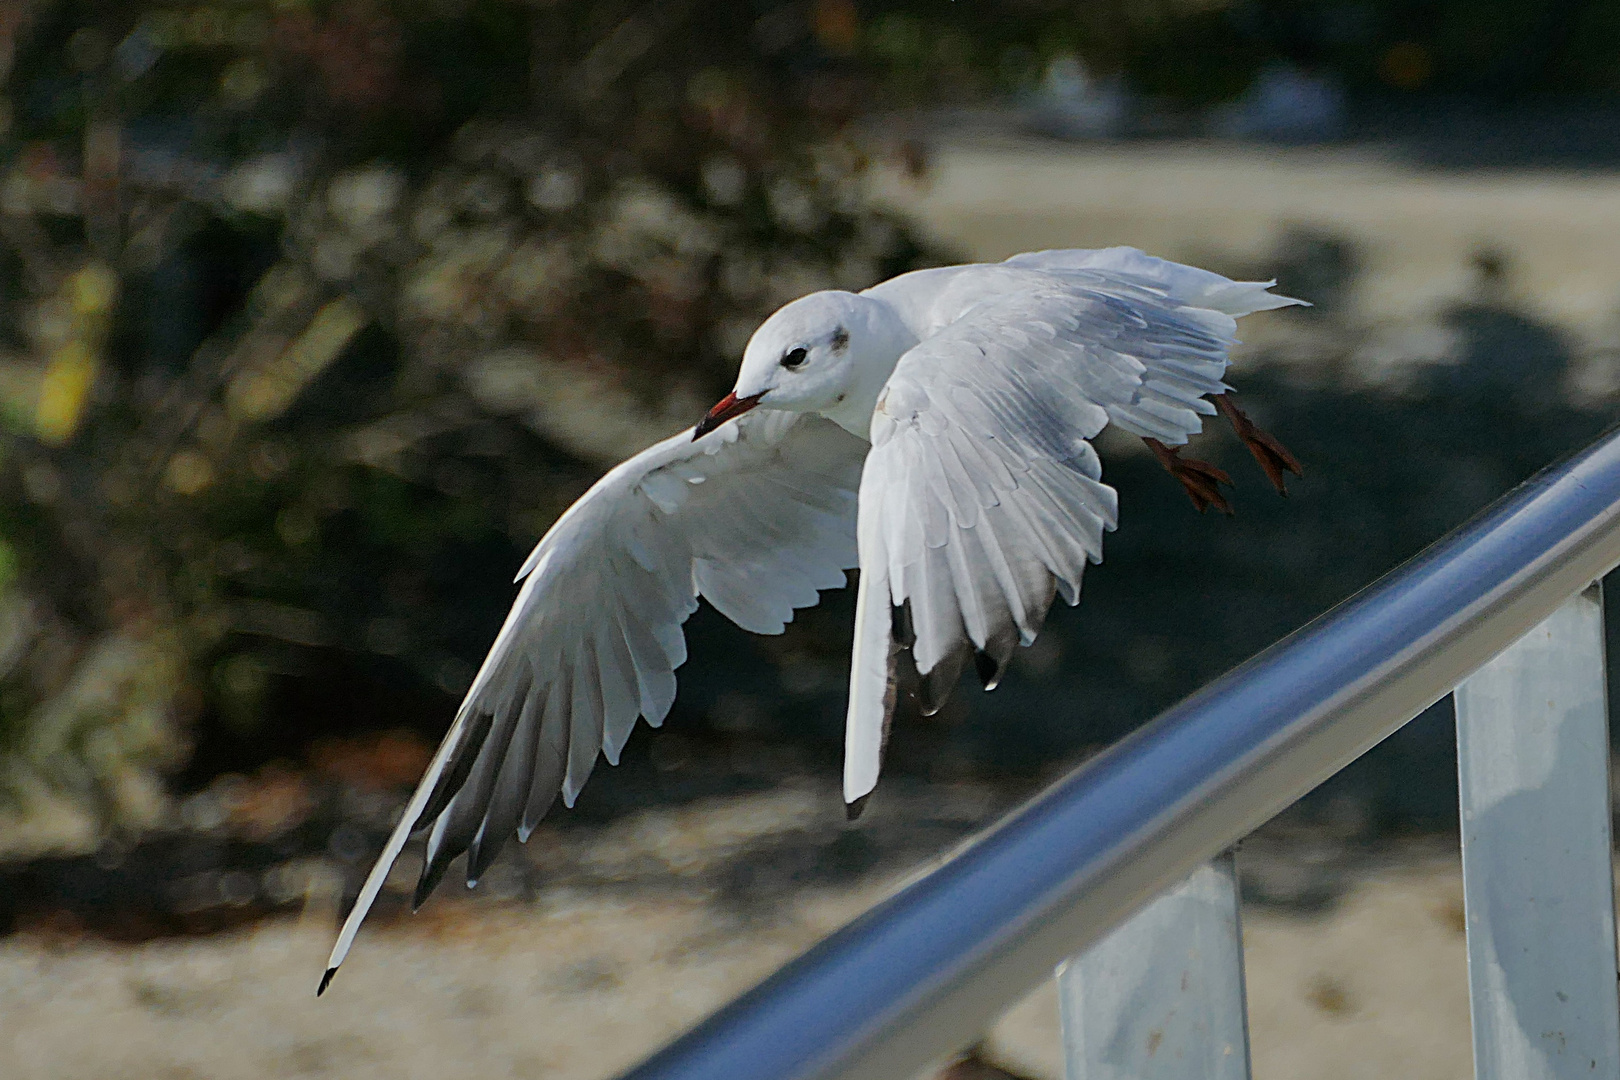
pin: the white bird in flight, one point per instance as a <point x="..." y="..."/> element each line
<point x="932" y="431"/>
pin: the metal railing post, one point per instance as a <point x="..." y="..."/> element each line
<point x="1538" y="886"/>
<point x="1162" y="996"/>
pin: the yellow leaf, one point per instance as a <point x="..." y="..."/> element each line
<point x="92" y="290"/>
<point x="266" y="391"/>
<point x="64" y="391"/>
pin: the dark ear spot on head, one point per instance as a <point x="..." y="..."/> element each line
<point x="840" y="339"/>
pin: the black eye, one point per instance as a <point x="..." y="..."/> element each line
<point x="795" y="357"/>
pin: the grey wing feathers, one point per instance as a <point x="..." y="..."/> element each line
<point x="982" y="498"/>
<point x="757" y="517"/>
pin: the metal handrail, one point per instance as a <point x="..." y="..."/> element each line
<point x="922" y="973"/>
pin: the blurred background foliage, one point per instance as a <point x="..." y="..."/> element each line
<point x="313" y="316"/>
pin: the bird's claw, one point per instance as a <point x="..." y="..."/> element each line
<point x="1272" y="456"/>
<point x="1199" y="479"/>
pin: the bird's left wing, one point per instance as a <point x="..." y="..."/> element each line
<point x="756" y="516"/>
<point x="982" y="497"/>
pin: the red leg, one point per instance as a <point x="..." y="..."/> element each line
<point x="1272" y="455"/>
<point x="1199" y="479"/>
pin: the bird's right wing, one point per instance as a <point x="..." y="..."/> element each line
<point x="982" y="496"/>
<point x="756" y="516"/>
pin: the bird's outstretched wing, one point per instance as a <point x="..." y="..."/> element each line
<point x="982" y="497"/>
<point x="756" y="516"/>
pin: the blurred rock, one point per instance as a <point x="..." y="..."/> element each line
<point x="1286" y="103"/>
<point x="1072" y="104"/>
<point x="382" y="762"/>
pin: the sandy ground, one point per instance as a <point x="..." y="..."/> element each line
<point x="593" y="973"/>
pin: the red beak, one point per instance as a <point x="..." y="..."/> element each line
<point x="727" y="407"/>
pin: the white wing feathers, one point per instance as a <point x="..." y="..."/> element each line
<point x="982" y="497"/>
<point x="756" y="516"/>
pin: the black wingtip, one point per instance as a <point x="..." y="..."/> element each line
<point x="988" y="669"/>
<point x="854" y="809"/>
<point x="326" y="980"/>
<point x="434" y="866"/>
<point x="432" y="874"/>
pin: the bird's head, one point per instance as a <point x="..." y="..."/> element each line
<point x="829" y="352"/>
<point x="801" y="359"/>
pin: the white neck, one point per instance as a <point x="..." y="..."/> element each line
<point x="883" y="339"/>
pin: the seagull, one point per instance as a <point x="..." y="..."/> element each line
<point x="933" y="431"/>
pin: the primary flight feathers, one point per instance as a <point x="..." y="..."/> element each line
<point x="933" y="431"/>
